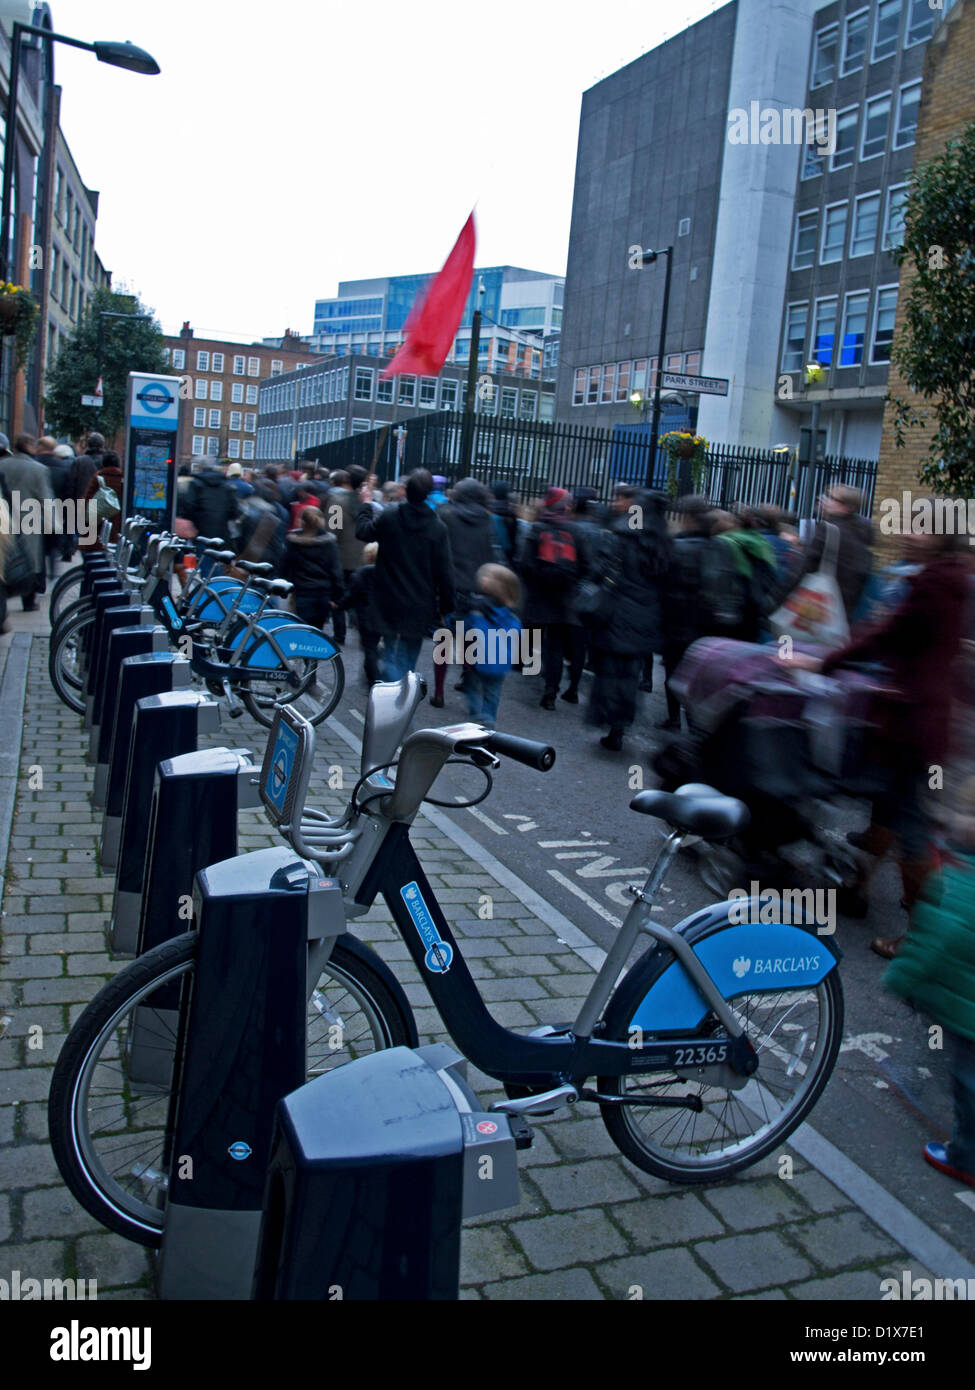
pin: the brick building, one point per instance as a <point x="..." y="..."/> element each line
<point x="218" y="411"/>
<point x="947" y="107"/>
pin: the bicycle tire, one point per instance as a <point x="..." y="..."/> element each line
<point x="264" y="706"/>
<point x="68" y="582"/>
<point x="63" y="658"/>
<point x="69" y="612"/>
<point x="677" y="1151"/>
<point x="94" y="1075"/>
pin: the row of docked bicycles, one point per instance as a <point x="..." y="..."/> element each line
<point x="242" y="645"/>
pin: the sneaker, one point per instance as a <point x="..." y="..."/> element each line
<point x="937" y="1156"/>
<point x="570" y="697"/>
<point x="547" y="702"/>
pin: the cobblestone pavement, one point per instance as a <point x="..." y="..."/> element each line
<point x="589" y="1226"/>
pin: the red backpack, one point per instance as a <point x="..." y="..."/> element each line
<point x="557" y="560"/>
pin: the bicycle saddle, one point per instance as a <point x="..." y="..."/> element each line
<point x="252" y="567"/>
<point x="216" y="542"/>
<point x="279" y="587"/>
<point x="696" y="809"/>
<point x="226" y="557"/>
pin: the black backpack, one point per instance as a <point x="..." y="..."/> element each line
<point x="556" y="556"/>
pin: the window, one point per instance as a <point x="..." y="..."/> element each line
<point x="834" y="233"/>
<point x="692" y="363"/>
<point x="213" y="445"/>
<point x="579" y="387"/>
<point x="216" y="390"/>
<point x="277" y="367"/>
<point x="883" y="327"/>
<point x="235" y="418"/>
<point x="345" y="384"/>
<point x="199" y="444"/>
<point x="640" y="375"/>
<point x="793" y="348"/>
<point x="248" y="448"/>
<point x="361" y="426"/>
<point x="253" y="366"/>
<point x="846" y="138"/>
<point x="824" y="331"/>
<point x="237" y="393"/>
<point x="920" y="22"/>
<point x="239" y="365"/>
<point x="217" y="364"/>
<point x="55" y="257"/>
<point x="428" y="391"/>
<point x="448" y="394"/>
<point x="854" y="329"/>
<point x="608" y="387"/>
<point x="907" y="115"/>
<point x="199" y="418"/>
<point x="250" y="423"/>
<point x="214" y="420"/>
<point x="622" y="382"/>
<point x="812" y="161"/>
<point x="886" y="29"/>
<point x="407" y="390"/>
<point x="854" y="41"/>
<point x="509" y="403"/>
<point x="179" y="358"/>
<point x="487" y="402"/>
<point x="866" y="213"/>
<point x="592" y="390"/>
<point x="202" y="389"/>
<point x="528" y="406"/>
<point x="251" y="395"/>
<point x="362" y="387"/>
<point x="875" y="126"/>
<point x="824" y="56"/>
<point x="804" y="243"/>
<point x="673" y="362"/>
<point x="202" y="361"/>
<point x="894" y="220"/>
<point x="384" y="391"/>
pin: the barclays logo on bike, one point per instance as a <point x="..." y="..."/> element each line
<point x="775" y="965"/>
<point x="439" y="954"/>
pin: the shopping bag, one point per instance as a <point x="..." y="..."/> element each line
<point x="814" y="611"/>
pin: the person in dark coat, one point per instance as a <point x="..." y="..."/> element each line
<point x="29" y="486"/>
<point x="686" y="615"/>
<point x="854" y="536"/>
<point x="470" y="527"/>
<point x="634" y="557"/>
<point x="342" y="509"/>
<point x="86" y="465"/>
<point x="361" y="597"/>
<point x="311" y="564"/>
<point x="110" y="472"/>
<point x="505" y="523"/>
<point x="553" y="561"/>
<point x="414" y="574"/>
<point x="210" y="501"/>
<point x="918" y="644"/>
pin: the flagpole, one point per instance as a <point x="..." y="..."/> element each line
<point x="470" y="400"/>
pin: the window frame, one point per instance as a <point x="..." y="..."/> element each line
<point x="925" y="8"/>
<point x="874" y="360"/>
<point x="786" y="340"/>
<point x="814" y="214"/>
<point x="863" y="14"/>
<point x="202" y="360"/>
<point x="856" y="134"/>
<point x="240" y="358"/>
<point x="872" y="101"/>
<point x="896" y="143"/>
<point x="862" y="198"/>
<point x="874" y="58"/>
<point x="885" y="245"/>
<point x="833" y="299"/>
<point x="843" y="203"/>
<point x="852" y="294"/>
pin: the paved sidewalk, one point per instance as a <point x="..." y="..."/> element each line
<point x="589" y="1226"/>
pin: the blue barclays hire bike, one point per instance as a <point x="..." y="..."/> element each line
<point x="234" y="641"/>
<point x="702" y="1058"/>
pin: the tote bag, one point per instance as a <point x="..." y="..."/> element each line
<point x="814" y="611"/>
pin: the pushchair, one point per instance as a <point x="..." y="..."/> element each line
<point x="785" y="742"/>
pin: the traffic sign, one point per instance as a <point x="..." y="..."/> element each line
<point x="96" y="401"/>
<point x="706" y="385"/>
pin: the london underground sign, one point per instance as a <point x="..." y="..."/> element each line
<point x="151" y="420"/>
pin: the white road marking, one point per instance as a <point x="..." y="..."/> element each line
<point x="867" y="1043"/>
<point x="486" y="820"/>
<point x="356" y="715"/>
<point x="569" y="844"/>
<point x="590" y="902"/>
<point x="575" y="854"/>
<point x="968" y="1197"/>
<point x="599" y="868"/>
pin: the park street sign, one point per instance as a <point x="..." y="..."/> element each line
<point x="706" y="385"/>
<point x="96" y="401"/>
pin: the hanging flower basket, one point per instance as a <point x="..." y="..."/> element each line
<point x="18" y="318"/>
<point x="682" y="447"/>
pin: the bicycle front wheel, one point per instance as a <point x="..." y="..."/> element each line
<point x="65" y="657"/>
<point x="320" y="689"/>
<point x="66" y="590"/>
<point x="796" y="1034"/>
<point x="111" y="1092"/>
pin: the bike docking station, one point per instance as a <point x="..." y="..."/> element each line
<point x="163" y="726"/>
<point x="148" y="674"/>
<point x="108" y="594"/>
<point x="373" y="1168"/>
<point x="127" y="632"/>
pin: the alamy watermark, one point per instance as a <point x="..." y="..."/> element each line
<point x="19" y="1290"/>
<point x="769" y="907"/>
<point x="493" y="646"/>
<point x="787" y="125"/>
<point x="51" y="516"/>
<point x="928" y="516"/>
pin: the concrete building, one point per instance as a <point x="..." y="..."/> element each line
<point x="711" y="144"/>
<point x="329" y="400"/>
<point x="520" y="310"/>
<point x="219" y="394"/>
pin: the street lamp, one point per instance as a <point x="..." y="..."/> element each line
<point x="648" y="258"/>
<point x="120" y="55"/>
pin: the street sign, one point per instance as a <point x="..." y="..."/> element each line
<point x="706" y="385"/>
<point x="96" y="401"/>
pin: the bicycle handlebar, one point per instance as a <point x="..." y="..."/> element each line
<point x="540" y="756"/>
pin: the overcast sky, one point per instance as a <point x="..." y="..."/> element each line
<point x="286" y="146"/>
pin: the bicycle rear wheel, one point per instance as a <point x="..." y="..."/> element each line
<point x="796" y="1034"/>
<point x="64" y="659"/>
<point x="110" y="1093"/>
<point x="320" y="690"/>
<point x="66" y="590"/>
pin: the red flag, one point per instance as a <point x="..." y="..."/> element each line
<point x="435" y="317"/>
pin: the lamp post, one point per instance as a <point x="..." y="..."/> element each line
<point x="119" y="55"/>
<point x="648" y="258"/>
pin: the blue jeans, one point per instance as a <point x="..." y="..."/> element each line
<point x="961" y="1149"/>
<point x="400" y="654"/>
<point x="483" y="696"/>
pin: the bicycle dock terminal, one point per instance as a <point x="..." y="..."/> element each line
<point x="164" y="727"/>
<point x="148" y="674"/>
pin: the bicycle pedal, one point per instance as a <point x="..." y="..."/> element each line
<point x="521" y="1131"/>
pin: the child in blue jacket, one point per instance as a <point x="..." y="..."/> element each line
<point x="492" y="635"/>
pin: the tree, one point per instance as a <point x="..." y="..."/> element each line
<point x="126" y="347"/>
<point x="935" y="351"/>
